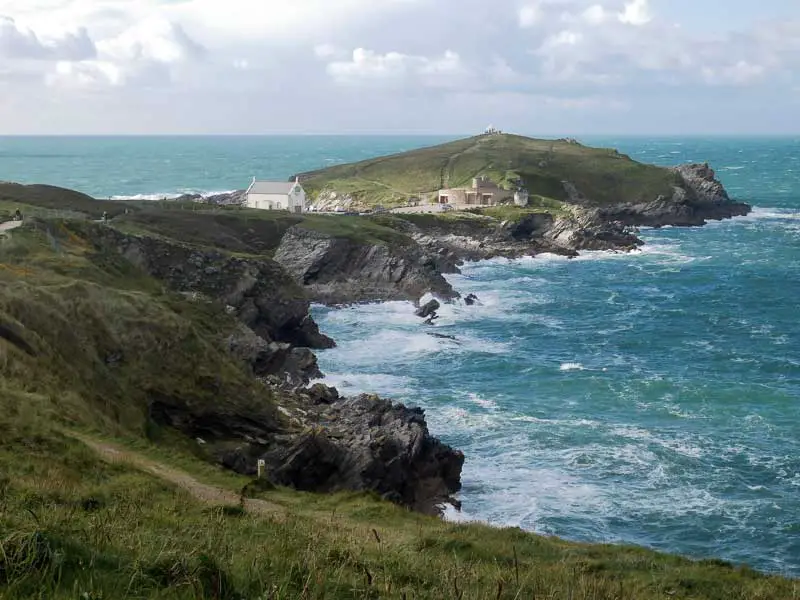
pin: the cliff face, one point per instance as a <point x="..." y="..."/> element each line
<point x="361" y="443"/>
<point x="86" y="327"/>
<point x="276" y="329"/>
<point x="336" y="270"/>
<point x="700" y="197"/>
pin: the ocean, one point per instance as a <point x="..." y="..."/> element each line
<point x="650" y="398"/>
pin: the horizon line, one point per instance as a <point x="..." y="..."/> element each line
<point x="399" y="134"/>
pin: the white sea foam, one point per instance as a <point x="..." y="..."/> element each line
<point x="377" y="383"/>
<point x="572" y="367"/>
<point x="169" y="195"/>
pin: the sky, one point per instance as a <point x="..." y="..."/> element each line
<point x="551" y="67"/>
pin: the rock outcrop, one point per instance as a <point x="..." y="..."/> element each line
<point x="362" y="443"/>
<point x="273" y="310"/>
<point x="338" y="270"/>
<point x="697" y="198"/>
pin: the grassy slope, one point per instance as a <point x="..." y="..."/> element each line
<point x="72" y="526"/>
<point x="603" y="175"/>
<point x="92" y="338"/>
<point x="76" y="527"/>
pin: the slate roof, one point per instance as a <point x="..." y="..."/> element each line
<point x="271" y="187"/>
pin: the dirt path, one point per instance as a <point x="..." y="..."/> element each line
<point x="9" y="225"/>
<point x="203" y="492"/>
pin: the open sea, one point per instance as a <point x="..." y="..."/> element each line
<point x="650" y="398"/>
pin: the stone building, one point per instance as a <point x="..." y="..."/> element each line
<point x="276" y="195"/>
<point x="482" y="193"/>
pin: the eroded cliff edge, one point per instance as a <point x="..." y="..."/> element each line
<point x="213" y="345"/>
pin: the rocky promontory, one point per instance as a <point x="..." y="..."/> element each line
<point x="319" y="441"/>
<point x="340" y="270"/>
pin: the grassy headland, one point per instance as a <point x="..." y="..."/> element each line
<point x="86" y="338"/>
<point x="603" y="175"/>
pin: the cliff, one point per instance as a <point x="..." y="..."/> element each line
<point x="138" y="356"/>
<point x="138" y="334"/>
<point x="335" y="270"/>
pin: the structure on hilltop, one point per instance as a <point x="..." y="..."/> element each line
<point x="276" y="195"/>
<point x="482" y="193"/>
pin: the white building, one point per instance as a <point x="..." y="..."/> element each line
<point x="276" y="195"/>
<point x="521" y="198"/>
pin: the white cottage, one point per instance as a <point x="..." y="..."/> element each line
<point x="276" y="195"/>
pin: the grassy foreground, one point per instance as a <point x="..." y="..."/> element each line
<point x="74" y="526"/>
<point x="86" y="339"/>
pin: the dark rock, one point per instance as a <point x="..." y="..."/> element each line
<point x="697" y="198"/>
<point x="337" y="270"/>
<point x="443" y="336"/>
<point x="367" y="443"/>
<point x="471" y="300"/>
<point x="260" y="292"/>
<point x="533" y="225"/>
<point x="428" y="309"/>
<point x="322" y="394"/>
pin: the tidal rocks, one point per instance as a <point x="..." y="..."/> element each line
<point x="341" y="270"/>
<point x="428" y="309"/>
<point x="471" y="300"/>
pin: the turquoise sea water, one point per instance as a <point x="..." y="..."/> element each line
<point x="651" y="398"/>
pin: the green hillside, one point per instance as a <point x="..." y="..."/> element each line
<point x="603" y="175"/>
<point x="99" y="502"/>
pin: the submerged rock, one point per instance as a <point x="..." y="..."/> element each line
<point x="428" y="309"/>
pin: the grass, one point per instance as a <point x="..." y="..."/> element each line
<point x="603" y="175"/>
<point x="76" y="527"/>
<point x="249" y="231"/>
<point x="101" y="340"/>
<point x="87" y="341"/>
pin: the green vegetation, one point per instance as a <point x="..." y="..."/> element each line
<point x="87" y="340"/>
<point x="604" y="176"/>
<point x="74" y="526"/>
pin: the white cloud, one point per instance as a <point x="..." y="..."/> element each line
<point x="17" y="42"/>
<point x="739" y="73"/>
<point x="568" y="50"/>
<point x="143" y="54"/>
<point x="88" y="73"/>
<point x="326" y="51"/>
<point x="530" y="15"/>
<point x="636" y="12"/>
<point x="155" y="40"/>
<point x="392" y="68"/>
<point x="595" y="14"/>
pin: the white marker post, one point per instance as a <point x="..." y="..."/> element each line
<point x="262" y="465"/>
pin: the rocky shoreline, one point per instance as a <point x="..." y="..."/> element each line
<point x="327" y="443"/>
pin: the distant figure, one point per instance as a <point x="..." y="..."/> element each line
<point x="105" y="217"/>
<point x="17" y="215"/>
